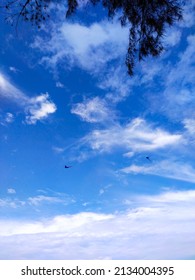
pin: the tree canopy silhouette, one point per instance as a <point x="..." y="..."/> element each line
<point x="146" y="19"/>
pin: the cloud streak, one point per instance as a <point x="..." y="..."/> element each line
<point x="11" y="92"/>
<point x="35" y="201"/>
<point x="166" y="168"/>
<point x="137" y="135"/>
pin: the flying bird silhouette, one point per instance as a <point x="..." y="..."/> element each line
<point x="67" y="166"/>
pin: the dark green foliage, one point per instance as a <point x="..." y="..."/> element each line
<point x="146" y="19"/>
<point x="33" y="11"/>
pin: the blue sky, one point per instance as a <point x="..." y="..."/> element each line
<point x="66" y="100"/>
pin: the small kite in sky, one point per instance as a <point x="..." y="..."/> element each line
<point x="67" y="166"/>
<point x="148" y="158"/>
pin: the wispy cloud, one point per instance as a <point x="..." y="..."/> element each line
<point x="14" y="69"/>
<point x="117" y="84"/>
<point x="90" y="47"/>
<point x="166" y="168"/>
<point x="58" y="150"/>
<point x="175" y="97"/>
<point x="189" y="124"/>
<point x="59" y="85"/>
<point x="169" y="197"/>
<point x="94" y="110"/>
<point x="11" y="203"/>
<point x="152" y="227"/>
<point x="36" y="108"/>
<point x="6" y="119"/>
<point x="41" y="199"/>
<point x="9" y="91"/>
<point x="11" y="191"/>
<point x="172" y="37"/>
<point x="54" y="198"/>
<point x="103" y="190"/>
<point x="188" y="15"/>
<point x="149" y="73"/>
<point x="9" y="118"/>
<point x="137" y="135"/>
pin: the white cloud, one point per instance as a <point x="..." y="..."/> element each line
<point x="117" y="83"/>
<point x="37" y="108"/>
<point x="48" y="197"/>
<point x="11" y="191"/>
<point x="138" y="135"/>
<point x="166" y="168"/>
<point x="177" y="100"/>
<point x="104" y="189"/>
<point x="89" y="47"/>
<point x="155" y="227"/>
<point x="93" y="110"/>
<point x="9" y="91"/>
<point x="171" y="83"/>
<point x="187" y="196"/>
<point x="14" y="69"/>
<point x="189" y="124"/>
<point x="148" y="73"/>
<point x="6" y="119"/>
<point x="11" y="203"/>
<point x="172" y="37"/>
<point x="188" y="15"/>
<point x="37" y="200"/>
<point x="59" y="85"/>
<point x="9" y="117"/>
<point x="40" y="107"/>
<point x="58" y="150"/>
